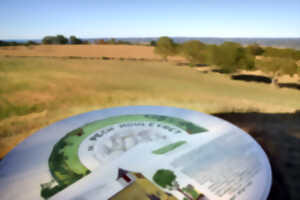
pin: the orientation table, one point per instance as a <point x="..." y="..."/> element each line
<point x="137" y="152"/>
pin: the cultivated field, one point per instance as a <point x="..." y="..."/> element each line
<point x="94" y="51"/>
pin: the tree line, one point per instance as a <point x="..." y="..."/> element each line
<point x="14" y="43"/>
<point x="232" y="57"/>
<point x="61" y="40"/>
<point x="58" y="39"/>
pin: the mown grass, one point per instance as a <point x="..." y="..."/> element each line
<point x="35" y="92"/>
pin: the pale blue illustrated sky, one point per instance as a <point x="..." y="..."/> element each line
<point x="33" y="19"/>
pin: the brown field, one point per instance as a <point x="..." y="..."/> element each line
<point x="92" y="50"/>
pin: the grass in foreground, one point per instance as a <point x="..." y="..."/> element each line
<point x="35" y="92"/>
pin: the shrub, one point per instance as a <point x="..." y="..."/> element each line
<point x="165" y="47"/>
<point x="232" y="56"/>
<point x="194" y="51"/>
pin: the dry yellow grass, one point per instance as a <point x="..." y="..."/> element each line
<point x="112" y="51"/>
<point x="282" y="79"/>
<point x="35" y="92"/>
<point x="61" y="88"/>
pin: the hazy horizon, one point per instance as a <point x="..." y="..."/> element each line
<point x="149" y="37"/>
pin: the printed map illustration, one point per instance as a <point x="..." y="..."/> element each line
<point x="99" y="143"/>
<point x="142" y="152"/>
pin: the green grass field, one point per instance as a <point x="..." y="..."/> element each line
<point x="35" y="92"/>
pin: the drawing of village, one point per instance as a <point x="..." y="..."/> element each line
<point x="145" y="157"/>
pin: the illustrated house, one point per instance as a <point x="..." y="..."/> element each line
<point x="136" y="186"/>
<point x="125" y="178"/>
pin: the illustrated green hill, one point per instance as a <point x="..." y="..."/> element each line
<point x="64" y="163"/>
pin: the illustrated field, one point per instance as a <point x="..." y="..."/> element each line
<point x="64" y="162"/>
<point x="169" y="147"/>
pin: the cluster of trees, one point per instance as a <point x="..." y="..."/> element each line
<point x="277" y="66"/>
<point x="231" y="57"/>
<point x="14" y="43"/>
<point x="282" y="53"/>
<point x="112" y="41"/>
<point x="60" y="39"/>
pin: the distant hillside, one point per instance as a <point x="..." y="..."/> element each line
<point x="275" y="42"/>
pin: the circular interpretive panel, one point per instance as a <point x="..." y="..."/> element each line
<point x="137" y="152"/>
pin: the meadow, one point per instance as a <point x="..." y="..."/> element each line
<point x="36" y="92"/>
<point x="51" y="83"/>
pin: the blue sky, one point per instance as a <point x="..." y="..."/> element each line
<point x="33" y="19"/>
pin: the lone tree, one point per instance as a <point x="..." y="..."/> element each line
<point x="277" y="67"/>
<point x="231" y="57"/>
<point x="165" y="47"/>
<point x="194" y="51"/>
<point x="167" y="179"/>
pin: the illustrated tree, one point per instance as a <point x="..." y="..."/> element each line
<point x="165" y="47"/>
<point x="194" y="51"/>
<point x="231" y="57"/>
<point x="277" y="67"/>
<point x="167" y="179"/>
